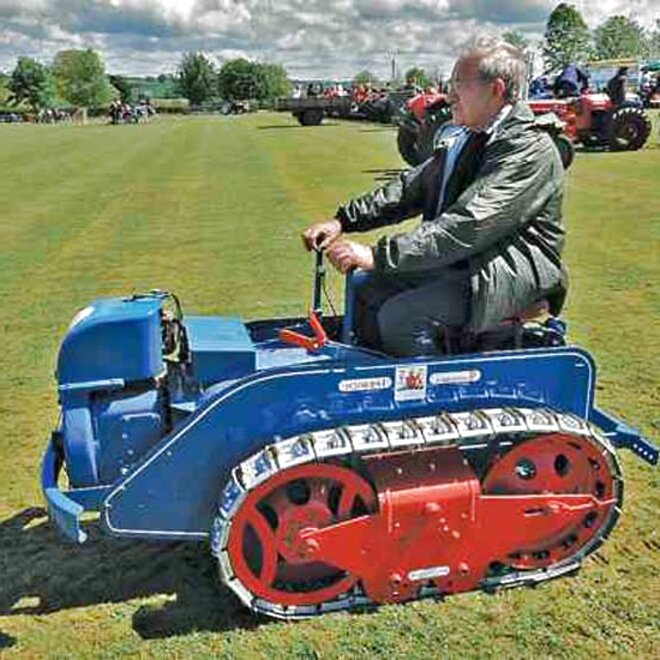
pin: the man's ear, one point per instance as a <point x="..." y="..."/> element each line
<point x="499" y="87"/>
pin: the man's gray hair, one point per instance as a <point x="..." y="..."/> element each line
<point x="498" y="59"/>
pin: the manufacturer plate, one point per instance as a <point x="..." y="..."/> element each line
<point x="365" y="384"/>
<point x="429" y="573"/>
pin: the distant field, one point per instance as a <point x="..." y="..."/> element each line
<point x="211" y="208"/>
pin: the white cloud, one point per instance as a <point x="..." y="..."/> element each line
<point x="325" y="38"/>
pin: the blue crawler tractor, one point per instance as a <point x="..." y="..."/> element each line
<point x="327" y="476"/>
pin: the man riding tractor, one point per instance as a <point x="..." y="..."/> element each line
<point x="491" y="235"/>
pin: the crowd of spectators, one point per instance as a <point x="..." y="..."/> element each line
<point x="125" y="113"/>
<point x="53" y="116"/>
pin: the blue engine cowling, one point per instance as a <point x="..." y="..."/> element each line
<point x="112" y="410"/>
<point x="118" y="391"/>
<point x="113" y="339"/>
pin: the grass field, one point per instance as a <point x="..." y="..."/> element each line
<point x="211" y="208"/>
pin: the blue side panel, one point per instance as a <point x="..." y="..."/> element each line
<point x="127" y="426"/>
<point x="172" y="492"/>
<point x="80" y="446"/>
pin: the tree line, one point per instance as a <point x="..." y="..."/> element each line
<point x="199" y="81"/>
<point x="568" y="39"/>
<point x="78" y="77"/>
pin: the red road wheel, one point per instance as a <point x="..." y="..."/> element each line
<point x="560" y="464"/>
<point x="265" y="548"/>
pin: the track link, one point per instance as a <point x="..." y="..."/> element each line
<point x="477" y="433"/>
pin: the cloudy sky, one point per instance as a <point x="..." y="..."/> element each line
<point x="311" y="38"/>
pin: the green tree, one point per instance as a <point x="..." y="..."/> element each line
<point x="238" y="79"/>
<point x="654" y="41"/>
<point x="80" y="78"/>
<point x="31" y="82"/>
<point x="196" y="78"/>
<point x="275" y="81"/>
<point x="242" y="79"/>
<point x="364" y="77"/>
<point x="516" y="39"/>
<point x="566" y="38"/>
<point x="122" y="85"/>
<point x="417" y="76"/>
<point x="618" y="37"/>
<point x="4" y="92"/>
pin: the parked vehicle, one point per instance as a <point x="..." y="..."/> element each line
<point x="310" y="111"/>
<point x="593" y="120"/>
<point x="236" y="107"/>
<point x="10" y="118"/>
<point x="328" y="476"/>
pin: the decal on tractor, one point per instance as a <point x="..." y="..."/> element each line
<point x="454" y="377"/>
<point x="365" y="384"/>
<point x="410" y="383"/>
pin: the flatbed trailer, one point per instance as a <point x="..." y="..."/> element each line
<point x="311" y="110"/>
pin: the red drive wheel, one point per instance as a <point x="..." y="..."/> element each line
<point x="265" y="548"/>
<point x="555" y="464"/>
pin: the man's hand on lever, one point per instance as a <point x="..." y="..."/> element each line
<point x="346" y="255"/>
<point x="319" y="235"/>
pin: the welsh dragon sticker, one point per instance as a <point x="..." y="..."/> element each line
<point x="410" y="383"/>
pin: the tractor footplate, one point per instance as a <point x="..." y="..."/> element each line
<point x="402" y="510"/>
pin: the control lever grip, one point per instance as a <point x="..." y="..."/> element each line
<point x="311" y="344"/>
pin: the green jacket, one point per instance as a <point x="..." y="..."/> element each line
<point x="501" y="219"/>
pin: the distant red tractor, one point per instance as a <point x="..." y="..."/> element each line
<point x="590" y="119"/>
<point x="593" y="120"/>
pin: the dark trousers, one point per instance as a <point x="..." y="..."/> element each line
<point x="406" y="314"/>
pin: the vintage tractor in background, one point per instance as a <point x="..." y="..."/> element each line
<point x="422" y="117"/>
<point x="590" y="119"/>
<point x="593" y="120"/>
<point x="328" y="476"/>
<point x="419" y="120"/>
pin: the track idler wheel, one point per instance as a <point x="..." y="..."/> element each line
<point x="265" y="547"/>
<point x="558" y="464"/>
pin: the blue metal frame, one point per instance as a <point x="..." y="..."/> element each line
<point x="171" y="491"/>
<point x="195" y="459"/>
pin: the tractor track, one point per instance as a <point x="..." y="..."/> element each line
<point x="486" y="430"/>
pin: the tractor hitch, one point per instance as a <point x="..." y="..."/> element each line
<point x="623" y="436"/>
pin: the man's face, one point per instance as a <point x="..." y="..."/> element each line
<point x="473" y="100"/>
